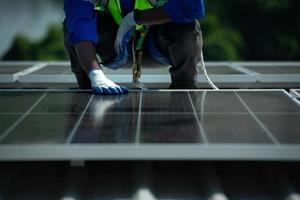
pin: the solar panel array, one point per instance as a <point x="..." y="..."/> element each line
<point x="198" y="124"/>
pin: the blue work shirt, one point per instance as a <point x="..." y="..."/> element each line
<point x="81" y="19"/>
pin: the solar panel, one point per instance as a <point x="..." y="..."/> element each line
<point x="57" y="72"/>
<point x="10" y="71"/>
<point x="15" y="102"/>
<point x="274" y="72"/>
<point x="275" y="69"/>
<point x="268" y="102"/>
<point x="163" y="124"/>
<point x="222" y="70"/>
<point x="54" y="69"/>
<point x="41" y="129"/>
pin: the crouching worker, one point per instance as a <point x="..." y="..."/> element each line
<point x="170" y="32"/>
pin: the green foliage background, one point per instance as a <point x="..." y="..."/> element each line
<point x="232" y="30"/>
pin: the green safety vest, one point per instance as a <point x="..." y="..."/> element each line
<point x="114" y="7"/>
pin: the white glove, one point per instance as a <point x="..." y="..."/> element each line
<point x="102" y="85"/>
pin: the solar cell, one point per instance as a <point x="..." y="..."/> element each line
<point x="54" y="69"/>
<point x="285" y="127"/>
<point x="58" y="102"/>
<point x="180" y="128"/>
<point x="222" y="70"/>
<point x="13" y="102"/>
<point x="217" y="102"/>
<point x="7" y="121"/>
<point x="106" y="128"/>
<point x="42" y="129"/>
<point x="165" y="102"/>
<point x="12" y="69"/>
<point x="275" y="69"/>
<point x="272" y="101"/>
<point x="115" y="104"/>
<point x="233" y="128"/>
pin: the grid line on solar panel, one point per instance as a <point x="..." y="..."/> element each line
<point x="73" y="131"/>
<point x="7" y="120"/>
<point x="266" y="130"/>
<point x="138" y="126"/>
<point x="110" y="127"/>
<point x="201" y="129"/>
<point x="42" y="129"/>
<point x="272" y="101"/>
<point x="170" y="118"/>
<point x="58" y="102"/>
<point x="232" y="128"/>
<point x="14" y="125"/>
<point x="214" y="102"/>
<point x="107" y="128"/>
<point x="285" y="127"/>
<point x="13" y="102"/>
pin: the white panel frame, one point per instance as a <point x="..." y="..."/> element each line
<point x="149" y="152"/>
<point x="295" y="93"/>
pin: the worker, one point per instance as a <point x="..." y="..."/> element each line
<point x="107" y="28"/>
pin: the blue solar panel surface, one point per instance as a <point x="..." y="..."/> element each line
<point x="232" y="117"/>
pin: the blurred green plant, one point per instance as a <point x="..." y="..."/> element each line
<point x="51" y="48"/>
<point x="220" y="42"/>
<point x="232" y="30"/>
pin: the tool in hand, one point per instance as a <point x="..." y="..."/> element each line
<point x="137" y="52"/>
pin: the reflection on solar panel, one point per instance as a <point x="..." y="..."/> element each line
<point x="200" y="124"/>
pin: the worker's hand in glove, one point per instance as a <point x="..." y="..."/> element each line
<point x="124" y="33"/>
<point x="102" y="85"/>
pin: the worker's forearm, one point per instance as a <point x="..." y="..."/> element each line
<point x="86" y="53"/>
<point x="152" y="17"/>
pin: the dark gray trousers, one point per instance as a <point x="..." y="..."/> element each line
<point x="181" y="43"/>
